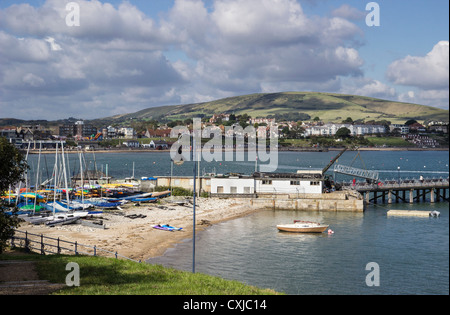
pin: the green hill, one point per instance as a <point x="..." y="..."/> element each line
<point x="329" y="107"/>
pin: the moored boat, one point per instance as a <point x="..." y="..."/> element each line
<point x="303" y="227"/>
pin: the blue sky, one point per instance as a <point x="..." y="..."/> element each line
<point x="127" y="56"/>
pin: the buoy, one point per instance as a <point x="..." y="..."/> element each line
<point x="330" y="231"/>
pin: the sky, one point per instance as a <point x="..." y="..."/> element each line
<point x="94" y="59"/>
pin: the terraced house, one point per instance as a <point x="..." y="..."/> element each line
<point x="355" y="130"/>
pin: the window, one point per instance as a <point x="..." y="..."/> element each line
<point x="220" y="189"/>
<point x="314" y="183"/>
<point x="295" y="182"/>
<point x="246" y="190"/>
<point x="233" y="189"/>
<point x="267" y="182"/>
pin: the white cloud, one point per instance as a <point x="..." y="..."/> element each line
<point x="368" y="87"/>
<point x="435" y="98"/>
<point x="429" y="74"/>
<point x="348" y="12"/>
<point x="33" y="80"/>
<point x="117" y="59"/>
<point x="53" y="45"/>
<point x="426" y="72"/>
<point x="243" y="45"/>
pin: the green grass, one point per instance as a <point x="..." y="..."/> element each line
<point x="109" y="276"/>
<point x="330" y="107"/>
<point x="389" y="141"/>
<point x="304" y="143"/>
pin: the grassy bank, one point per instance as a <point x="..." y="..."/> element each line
<point x="104" y="276"/>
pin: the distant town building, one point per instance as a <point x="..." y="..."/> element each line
<point x="403" y="129"/>
<point x="159" y="145"/>
<point x="439" y="128"/>
<point x="417" y="127"/>
<point x="77" y="130"/>
<point x="131" y="144"/>
<point x="267" y="121"/>
<point x="421" y="141"/>
<point x="111" y="132"/>
<point x="302" y="182"/>
<point x="8" y="132"/>
<point x="216" y="117"/>
<point x="330" y="129"/>
<point x="127" y="132"/>
<point x="158" y="133"/>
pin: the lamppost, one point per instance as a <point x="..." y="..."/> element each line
<point x="398" y="174"/>
<point x="180" y="162"/>
<point x="193" y="204"/>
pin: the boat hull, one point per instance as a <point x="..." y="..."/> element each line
<point x="302" y="229"/>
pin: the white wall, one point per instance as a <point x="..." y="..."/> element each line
<point x="284" y="186"/>
<point x="232" y="185"/>
<point x="250" y="185"/>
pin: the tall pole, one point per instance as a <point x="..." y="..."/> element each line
<point x="56" y="178"/>
<point x="171" y="174"/>
<point x="65" y="176"/>
<point x="37" y="176"/>
<point x="193" y="226"/>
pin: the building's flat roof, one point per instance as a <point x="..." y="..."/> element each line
<point x="315" y="175"/>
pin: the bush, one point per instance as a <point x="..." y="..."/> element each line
<point x="176" y="191"/>
<point x="12" y="167"/>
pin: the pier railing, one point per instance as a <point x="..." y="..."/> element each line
<point x="50" y="245"/>
<point x="406" y="190"/>
<point x="397" y="184"/>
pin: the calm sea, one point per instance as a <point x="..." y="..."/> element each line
<point x="412" y="254"/>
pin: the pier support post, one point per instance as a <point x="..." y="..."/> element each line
<point x="432" y="195"/>
<point x="411" y="196"/>
<point x="367" y="197"/>
<point x="390" y="197"/>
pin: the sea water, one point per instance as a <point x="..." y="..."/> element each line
<point x="412" y="253"/>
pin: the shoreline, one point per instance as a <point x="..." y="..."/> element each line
<point x="136" y="238"/>
<point x="293" y="149"/>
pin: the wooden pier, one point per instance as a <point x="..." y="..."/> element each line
<point x="408" y="191"/>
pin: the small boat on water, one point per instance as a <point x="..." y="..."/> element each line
<point x="303" y="227"/>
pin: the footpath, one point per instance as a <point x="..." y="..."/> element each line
<point x="19" y="277"/>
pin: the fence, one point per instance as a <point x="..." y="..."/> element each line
<point x="397" y="184"/>
<point x="49" y="245"/>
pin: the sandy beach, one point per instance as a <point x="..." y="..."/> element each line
<point x="136" y="238"/>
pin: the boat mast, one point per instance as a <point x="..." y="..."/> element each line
<point x="37" y="177"/>
<point x="56" y="178"/>
<point x="65" y="176"/>
<point x="82" y="183"/>
<point x="26" y="175"/>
